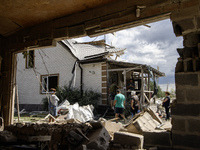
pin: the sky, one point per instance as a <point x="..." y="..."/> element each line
<point x="154" y="46"/>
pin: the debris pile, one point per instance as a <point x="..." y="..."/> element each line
<point x="58" y="136"/>
<point x="146" y="129"/>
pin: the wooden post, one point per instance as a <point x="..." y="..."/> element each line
<point x="149" y="94"/>
<point x="142" y="88"/>
<point x="17" y="103"/>
<point x="125" y="83"/>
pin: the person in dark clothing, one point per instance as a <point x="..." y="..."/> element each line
<point x="134" y="103"/>
<point x="166" y="103"/>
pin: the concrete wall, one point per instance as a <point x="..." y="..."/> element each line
<point x="92" y="77"/>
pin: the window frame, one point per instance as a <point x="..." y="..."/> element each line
<point x="47" y="75"/>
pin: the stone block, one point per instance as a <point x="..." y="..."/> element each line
<point x="187" y="141"/>
<point x="186" y="110"/>
<point x="193" y="125"/>
<point x="112" y="126"/>
<point x="187" y="79"/>
<point x="180" y="95"/>
<point x="162" y="138"/>
<point x="130" y="139"/>
<point x="186" y="24"/>
<point x="178" y="124"/>
<point x="192" y="95"/>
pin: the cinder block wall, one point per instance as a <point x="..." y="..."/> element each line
<point x="186" y="113"/>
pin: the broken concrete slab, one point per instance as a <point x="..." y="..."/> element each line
<point x="129" y="139"/>
<point x="144" y="122"/>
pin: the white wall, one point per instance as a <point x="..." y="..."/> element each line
<point x="57" y="59"/>
<point x="92" y="77"/>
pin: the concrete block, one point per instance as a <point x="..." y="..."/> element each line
<point x="188" y="66"/>
<point x="180" y="94"/>
<point x="191" y="40"/>
<point x="193" y="125"/>
<point x="162" y="138"/>
<point x="99" y="137"/>
<point x="92" y="24"/>
<point x="186" y="110"/>
<point x="130" y="139"/>
<point x="192" y="95"/>
<point x="186" y="141"/>
<point x="178" y="124"/>
<point x="187" y="79"/>
<point x="186" y="24"/>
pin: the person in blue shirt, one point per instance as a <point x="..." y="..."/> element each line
<point x="166" y="103"/>
<point x="119" y="104"/>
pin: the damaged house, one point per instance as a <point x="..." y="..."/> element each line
<point x="81" y="65"/>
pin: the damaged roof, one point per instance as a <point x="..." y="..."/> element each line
<point x="145" y="67"/>
<point x="90" y="50"/>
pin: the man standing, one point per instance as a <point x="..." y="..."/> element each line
<point x="119" y="104"/>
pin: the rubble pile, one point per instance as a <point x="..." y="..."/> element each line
<point x="144" y="130"/>
<point x="58" y="136"/>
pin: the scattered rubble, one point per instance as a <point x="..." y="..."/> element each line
<point x="76" y="129"/>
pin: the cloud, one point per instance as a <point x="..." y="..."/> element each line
<point x="155" y="46"/>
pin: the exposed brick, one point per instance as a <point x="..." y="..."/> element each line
<point x="186" y="110"/>
<point x="103" y="67"/>
<point x="104" y="95"/>
<point x="104" y="102"/>
<point x="186" y="79"/>
<point x="178" y="124"/>
<point x="104" y="79"/>
<point x="190" y="141"/>
<point x="104" y="90"/>
<point x="103" y="73"/>
<point x="192" y="95"/>
<point x="180" y="95"/>
<point x="104" y="84"/>
<point x="193" y="125"/>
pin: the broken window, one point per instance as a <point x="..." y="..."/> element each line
<point x="48" y="82"/>
<point x="30" y="59"/>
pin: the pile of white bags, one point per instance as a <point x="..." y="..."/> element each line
<point x="81" y="113"/>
